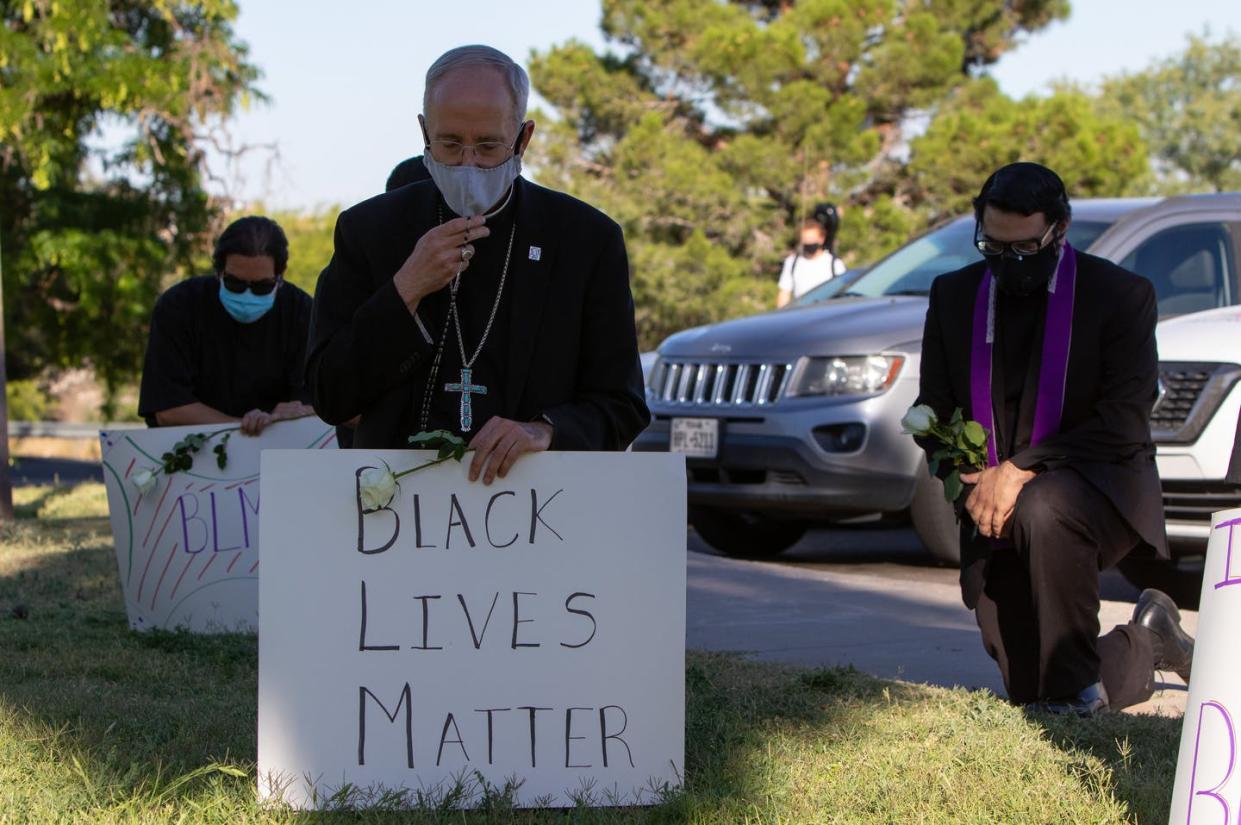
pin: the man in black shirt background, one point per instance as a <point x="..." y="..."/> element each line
<point x="230" y="347"/>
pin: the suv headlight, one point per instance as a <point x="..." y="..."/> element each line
<point x="846" y="375"/>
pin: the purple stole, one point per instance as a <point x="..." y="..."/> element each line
<point x="1053" y="366"/>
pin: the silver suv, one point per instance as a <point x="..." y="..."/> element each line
<point x="791" y="418"/>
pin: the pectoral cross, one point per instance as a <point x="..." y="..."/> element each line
<point x="466" y="388"/>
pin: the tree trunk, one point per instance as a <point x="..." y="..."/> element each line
<point x="6" y="487"/>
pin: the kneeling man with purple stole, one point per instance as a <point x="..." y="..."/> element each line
<point x="1053" y="352"/>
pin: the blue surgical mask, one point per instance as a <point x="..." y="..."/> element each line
<point x="246" y="307"/>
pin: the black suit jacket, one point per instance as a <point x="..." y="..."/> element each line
<point x="572" y="350"/>
<point x="1112" y="384"/>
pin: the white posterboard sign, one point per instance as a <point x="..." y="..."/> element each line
<point x="188" y="550"/>
<point x="528" y="634"/>
<point x="1208" y="776"/>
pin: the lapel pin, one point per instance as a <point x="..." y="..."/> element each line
<point x="536" y="253"/>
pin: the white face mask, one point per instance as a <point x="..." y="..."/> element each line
<point x="469" y="190"/>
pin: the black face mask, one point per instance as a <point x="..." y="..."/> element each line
<point x="809" y="250"/>
<point x="1028" y="275"/>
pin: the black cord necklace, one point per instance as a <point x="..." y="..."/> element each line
<point x="466" y="386"/>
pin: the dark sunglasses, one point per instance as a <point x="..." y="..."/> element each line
<point x="234" y="284"/>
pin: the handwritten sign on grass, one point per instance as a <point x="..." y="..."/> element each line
<point x="188" y="548"/>
<point x="522" y="641"/>
<point x="1208" y="771"/>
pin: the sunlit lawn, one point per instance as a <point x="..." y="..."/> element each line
<point x="100" y="724"/>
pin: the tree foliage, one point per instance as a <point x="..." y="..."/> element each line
<point x="310" y="237"/>
<point x="979" y="129"/>
<point x="91" y="229"/>
<point x="1188" y="108"/>
<point x="710" y="128"/>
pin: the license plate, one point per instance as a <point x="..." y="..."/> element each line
<point x="696" y="437"/>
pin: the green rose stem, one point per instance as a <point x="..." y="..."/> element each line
<point x="181" y="457"/>
<point x="432" y="463"/>
<point x="448" y="445"/>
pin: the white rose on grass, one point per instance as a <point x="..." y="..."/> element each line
<point x="144" y="480"/>
<point x="919" y="420"/>
<point x="376" y="486"/>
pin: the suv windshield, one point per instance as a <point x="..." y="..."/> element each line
<point x="828" y="289"/>
<point x="911" y="269"/>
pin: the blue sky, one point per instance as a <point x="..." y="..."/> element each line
<point x="345" y="79"/>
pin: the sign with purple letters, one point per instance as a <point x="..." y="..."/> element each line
<point x="187" y="544"/>
<point x="1208" y="776"/>
<point x="522" y="641"/>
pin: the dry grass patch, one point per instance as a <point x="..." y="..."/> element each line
<point x="78" y="449"/>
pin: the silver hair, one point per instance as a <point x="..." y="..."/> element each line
<point x="466" y="56"/>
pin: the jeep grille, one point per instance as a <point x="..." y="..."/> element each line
<point x="705" y="383"/>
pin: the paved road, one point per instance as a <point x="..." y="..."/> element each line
<point x="53" y="471"/>
<point x="891" y="552"/>
<point x="865" y="597"/>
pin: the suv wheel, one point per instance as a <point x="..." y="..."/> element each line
<point x="745" y="535"/>
<point x="934" y="519"/>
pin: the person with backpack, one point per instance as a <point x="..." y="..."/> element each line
<point x="815" y="261"/>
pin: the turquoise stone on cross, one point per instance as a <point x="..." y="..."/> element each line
<point x="467" y="389"/>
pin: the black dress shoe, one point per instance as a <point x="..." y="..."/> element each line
<point x="1157" y="612"/>
<point x="1090" y="701"/>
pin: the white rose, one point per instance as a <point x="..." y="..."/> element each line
<point x="377" y="487"/>
<point x="145" y="480"/>
<point x="919" y="420"/>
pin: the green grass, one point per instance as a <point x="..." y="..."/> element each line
<point x="99" y="724"/>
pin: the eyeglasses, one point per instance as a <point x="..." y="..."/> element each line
<point x="1015" y="249"/>
<point x="488" y="152"/>
<point x="234" y="284"/>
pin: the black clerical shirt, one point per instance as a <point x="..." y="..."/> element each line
<point x="476" y="296"/>
<point x="197" y="352"/>
<point x="570" y="355"/>
<point x="1019" y="322"/>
